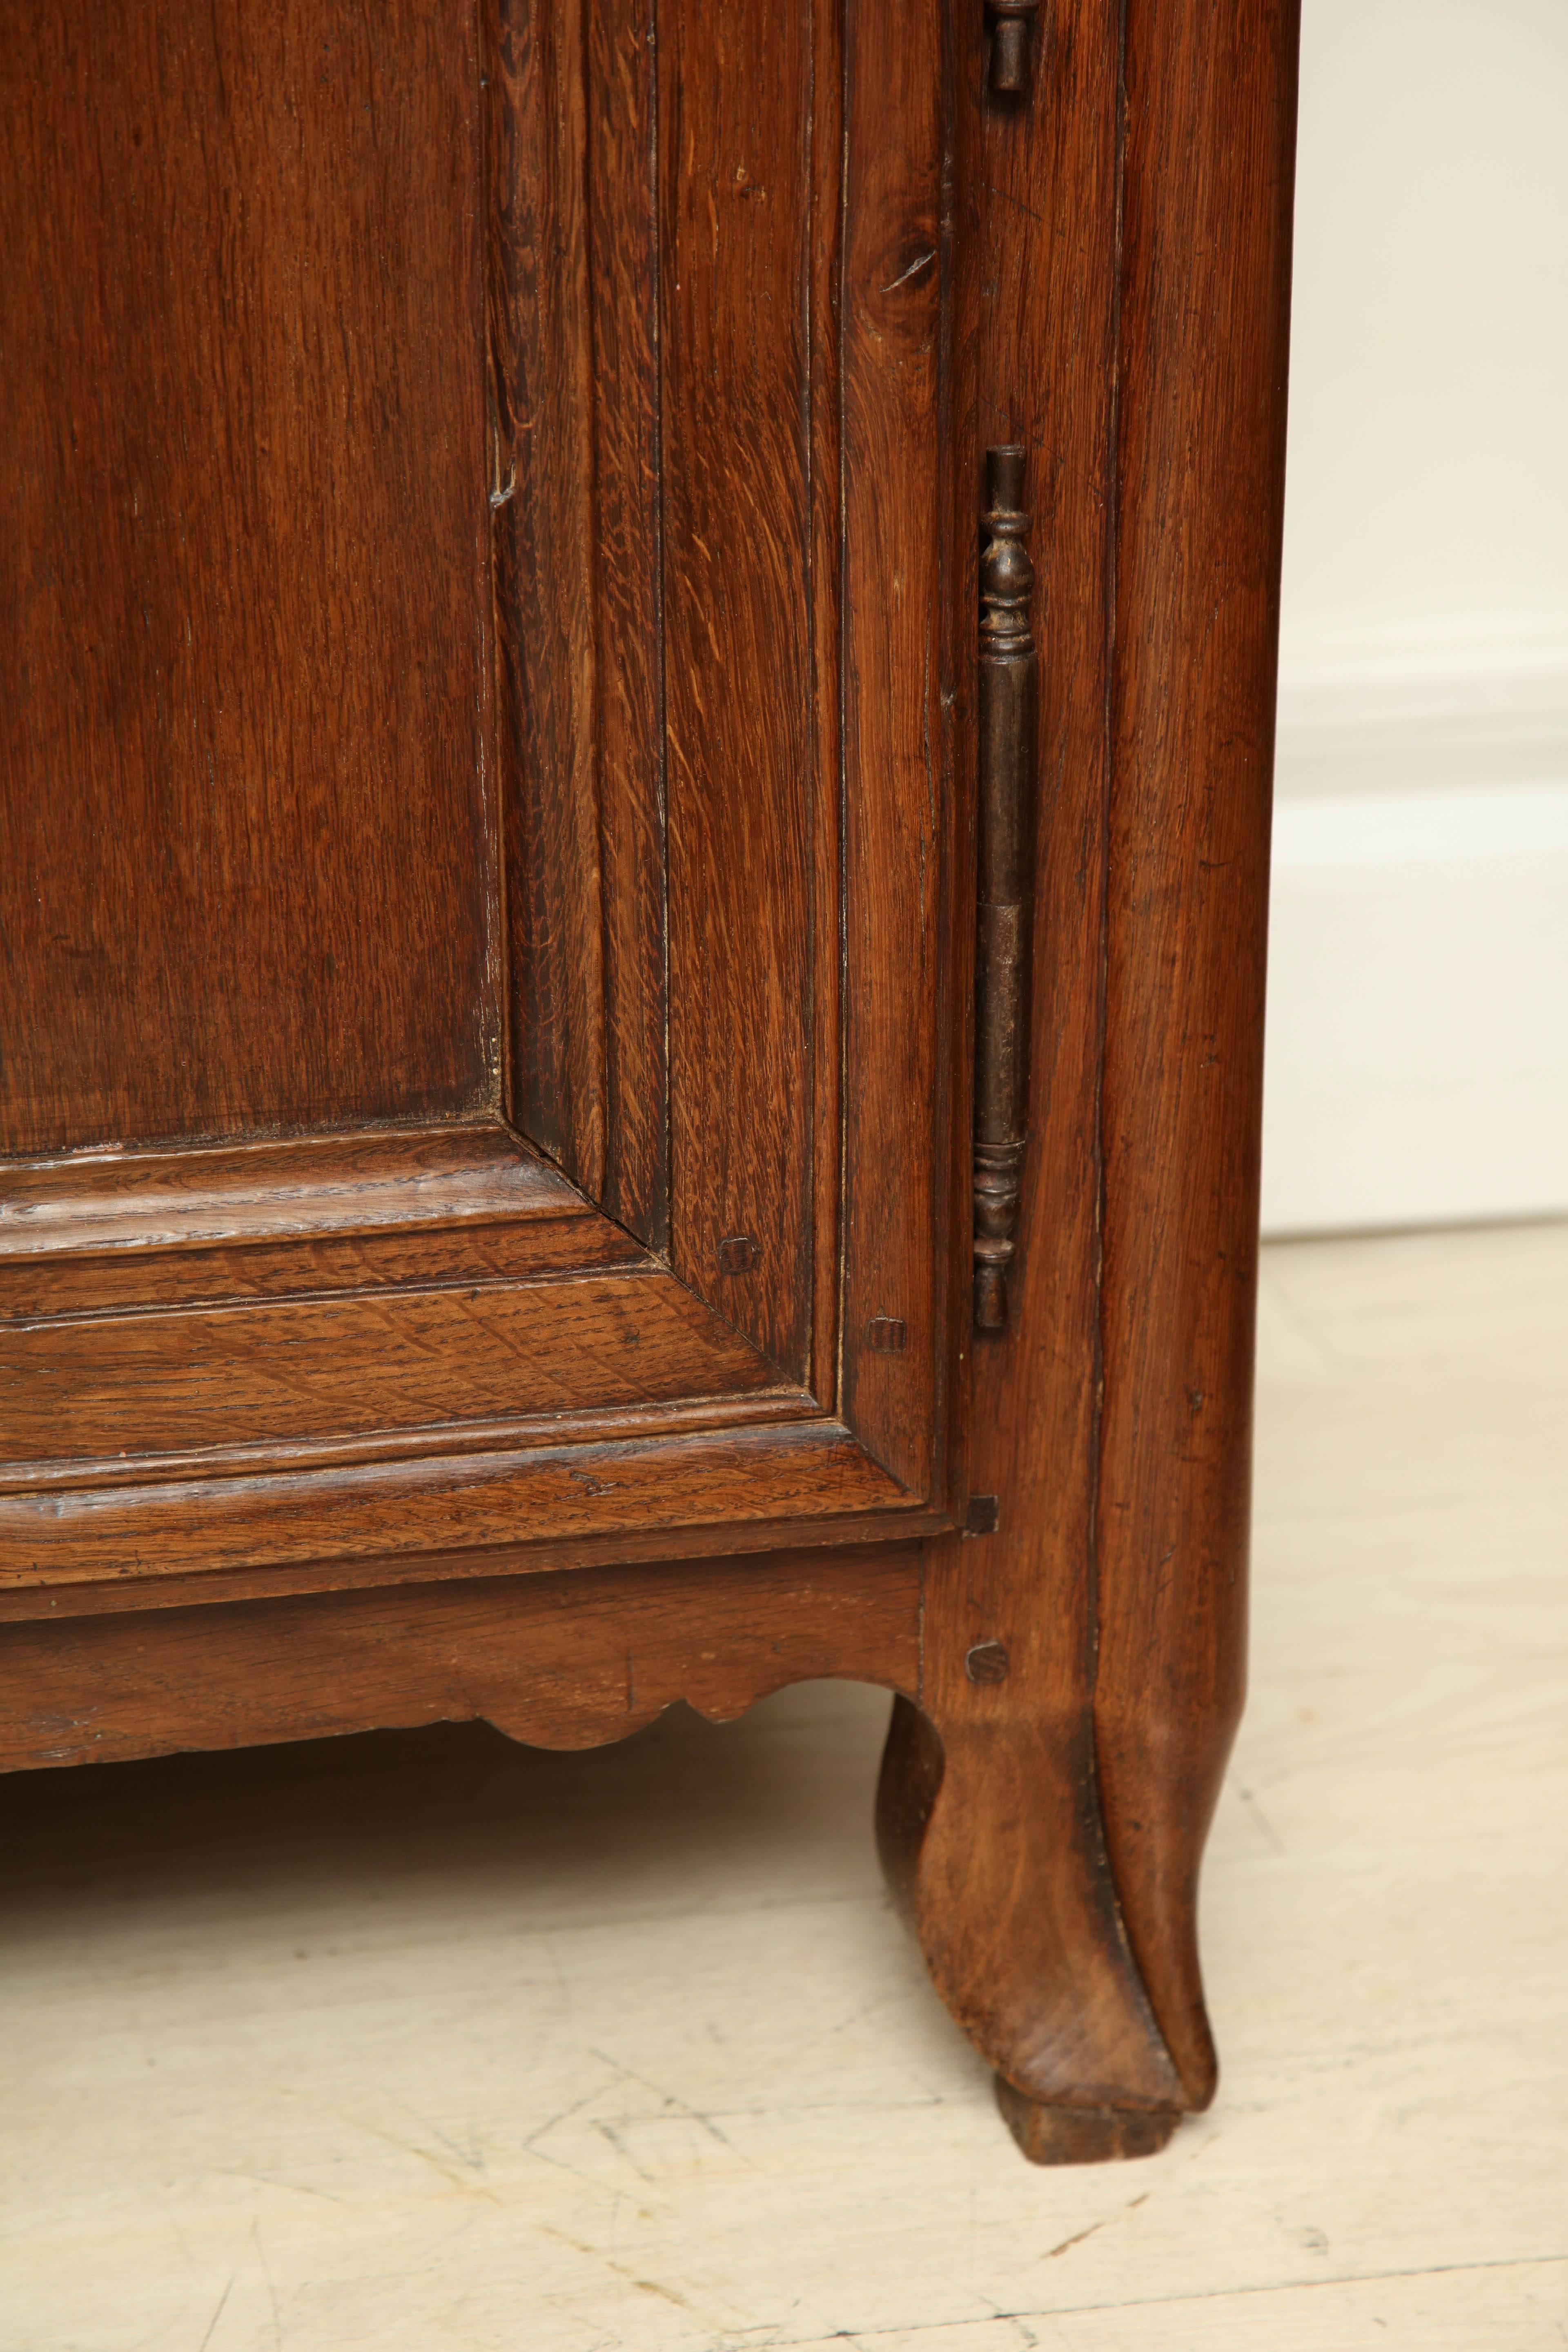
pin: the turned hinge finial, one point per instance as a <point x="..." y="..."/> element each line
<point x="1012" y="40"/>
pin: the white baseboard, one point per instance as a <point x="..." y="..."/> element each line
<point x="1417" y="1034"/>
<point x="1446" y="712"/>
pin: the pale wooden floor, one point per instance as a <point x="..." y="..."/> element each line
<point x="424" y="2042"/>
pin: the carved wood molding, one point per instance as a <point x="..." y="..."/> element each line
<point x="647" y="1496"/>
<point x="566" y="1660"/>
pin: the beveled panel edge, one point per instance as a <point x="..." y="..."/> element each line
<point x="371" y="1572"/>
<point x="100" y="1203"/>
<point x="753" y="1487"/>
<point x="96" y="1286"/>
<point x="444" y="1440"/>
<point x="571" y="267"/>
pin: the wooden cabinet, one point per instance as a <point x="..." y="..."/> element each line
<point x="635" y="776"/>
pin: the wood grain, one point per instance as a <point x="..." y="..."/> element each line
<point x="897" y="664"/>
<point x="559" y="1661"/>
<point x="1045" y="1821"/>
<point x="35" y="1288"/>
<point x="182" y="1313"/>
<point x="990" y="1823"/>
<point x="112" y="1394"/>
<point x="736" y="241"/>
<point x="624" y="281"/>
<point x="809" y="1481"/>
<point x="1204" y="334"/>
<point x="572" y="292"/>
<point x="97" y="1234"/>
<point x="825" y="357"/>
<point x="541" y="477"/>
<point x="382" y="1180"/>
<point x="247" y="878"/>
<point x="758" y="297"/>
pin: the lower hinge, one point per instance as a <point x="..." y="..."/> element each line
<point x="1009" y="687"/>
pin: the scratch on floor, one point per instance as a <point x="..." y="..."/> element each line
<point x="217" y="2315"/>
<point x="1259" y="1815"/>
<point x="271" y="2290"/>
<point x="1094" y="2229"/>
<point x="465" y="2188"/>
<point x="598" y="2255"/>
<point x="673" y="2105"/>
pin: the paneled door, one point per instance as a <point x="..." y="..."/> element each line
<point x="482" y="1060"/>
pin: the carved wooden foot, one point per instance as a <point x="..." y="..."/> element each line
<point x="1052" y="2135"/>
<point x="992" y="1837"/>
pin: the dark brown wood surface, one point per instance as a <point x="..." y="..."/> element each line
<point x="598" y="589"/>
<point x="246" y="865"/>
<point x="636" y="1492"/>
<point x="47" y="1288"/>
<point x="737" y="223"/>
<point x="574" y="487"/>
<point x="1204" y="339"/>
<point x="368" y="1211"/>
<point x="431" y="1359"/>
<point x="330" y="1416"/>
<point x="1052" y="1993"/>
<point x="384" y="1181"/>
<point x="560" y="1660"/>
<point x="1047" y="1987"/>
<point x="1045" y="1815"/>
<point x="752" y="286"/>
<point x="901" y="603"/>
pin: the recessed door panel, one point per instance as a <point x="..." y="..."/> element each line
<point x="247" y="859"/>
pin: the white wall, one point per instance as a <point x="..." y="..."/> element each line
<point x="1419" y="1018"/>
